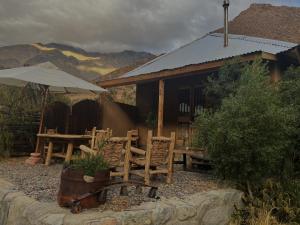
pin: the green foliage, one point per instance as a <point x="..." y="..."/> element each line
<point x="273" y="202"/>
<point x="221" y="85"/>
<point x="90" y="164"/>
<point x="249" y="136"/>
<point x="6" y="140"/>
<point x="290" y="96"/>
<point x="19" y="110"/>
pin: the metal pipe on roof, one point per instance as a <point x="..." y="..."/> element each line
<point x="226" y="6"/>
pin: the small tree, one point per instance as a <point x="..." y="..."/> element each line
<point x="225" y="82"/>
<point x="247" y="138"/>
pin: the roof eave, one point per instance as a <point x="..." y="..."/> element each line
<point x="189" y="69"/>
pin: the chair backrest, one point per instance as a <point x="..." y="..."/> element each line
<point x="160" y="149"/>
<point x="115" y="148"/>
<point x="99" y="137"/>
<point x="135" y="133"/>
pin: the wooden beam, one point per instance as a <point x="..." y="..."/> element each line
<point x="297" y="51"/>
<point x="189" y="69"/>
<point x="269" y="56"/>
<point x="161" y="98"/>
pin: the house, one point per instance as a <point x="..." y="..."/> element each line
<point x="170" y="86"/>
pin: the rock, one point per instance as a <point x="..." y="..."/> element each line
<point x="207" y="208"/>
<point x="217" y="216"/>
<point x="105" y="221"/>
<point x="57" y="219"/>
<point x="162" y="214"/>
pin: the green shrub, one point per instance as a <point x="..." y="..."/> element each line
<point x="249" y="136"/>
<point x="290" y="96"/>
<point x="90" y="164"/>
<point x="224" y="83"/>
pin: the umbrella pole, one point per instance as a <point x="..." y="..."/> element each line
<point x="44" y="102"/>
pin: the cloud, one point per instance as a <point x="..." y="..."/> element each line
<point x="113" y="25"/>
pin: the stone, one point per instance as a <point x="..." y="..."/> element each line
<point x="162" y="214"/>
<point x="217" y="216"/>
<point x="207" y="208"/>
<point x="137" y="218"/>
<point x="57" y="219"/>
<point x="105" y="221"/>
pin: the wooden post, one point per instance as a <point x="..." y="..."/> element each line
<point x="160" y="117"/>
<point x="41" y="127"/>
<point x="171" y="156"/>
<point x="275" y="73"/>
<point x="297" y="51"/>
<point x="148" y="157"/>
<point x="127" y="157"/>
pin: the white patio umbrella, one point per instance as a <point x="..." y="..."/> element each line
<point x="50" y="79"/>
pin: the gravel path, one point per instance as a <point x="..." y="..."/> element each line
<point x="42" y="183"/>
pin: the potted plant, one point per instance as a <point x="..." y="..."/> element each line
<point x="82" y="176"/>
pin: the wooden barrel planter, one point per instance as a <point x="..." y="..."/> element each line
<point x="73" y="186"/>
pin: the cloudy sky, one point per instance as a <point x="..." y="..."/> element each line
<point x="115" y="25"/>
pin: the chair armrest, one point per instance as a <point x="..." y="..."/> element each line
<point x="87" y="150"/>
<point x="138" y="151"/>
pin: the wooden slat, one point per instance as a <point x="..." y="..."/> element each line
<point x="65" y="136"/>
<point x="158" y="171"/>
<point x="138" y="151"/>
<point x="59" y="155"/>
<point x="161" y="139"/>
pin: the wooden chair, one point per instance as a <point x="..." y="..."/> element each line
<point x="157" y="159"/>
<point x="115" y="151"/>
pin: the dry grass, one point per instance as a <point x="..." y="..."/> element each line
<point x="262" y="217"/>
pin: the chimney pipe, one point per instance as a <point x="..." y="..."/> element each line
<point x="226" y="6"/>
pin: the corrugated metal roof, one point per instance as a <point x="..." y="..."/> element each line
<point x="211" y="48"/>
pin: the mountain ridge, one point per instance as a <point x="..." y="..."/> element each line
<point x="76" y="61"/>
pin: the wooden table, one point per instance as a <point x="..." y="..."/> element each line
<point x="187" y="154"/>
<point x="67" y="138"/>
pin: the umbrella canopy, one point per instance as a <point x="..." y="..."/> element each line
<point x="50" y="79"/>
<point x="49" y="75"/>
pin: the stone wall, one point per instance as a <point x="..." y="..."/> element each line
<point x="207" y="208"/>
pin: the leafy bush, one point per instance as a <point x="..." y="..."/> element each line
<point x="19" y="108"/>
<point x="290" y="89"/>
<point x="221" y="85"/>
<point x="249" y="136"/>
<point x="90" y="164"/>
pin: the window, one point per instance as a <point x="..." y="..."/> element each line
<point x="184" y="101"/>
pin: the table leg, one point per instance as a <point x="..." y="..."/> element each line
<point x="189" y="164"/>
<point x="49" y="153"/>
<point x="184" y="161"/>
<point x="69" y="152"/>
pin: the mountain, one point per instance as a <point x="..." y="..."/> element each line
<point x="267" y="21"/>
<point x="86" y="65"/>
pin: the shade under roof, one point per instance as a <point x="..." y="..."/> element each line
<point x="47" y="74"/>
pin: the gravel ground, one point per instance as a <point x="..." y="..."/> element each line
<point x="42" y="183"/>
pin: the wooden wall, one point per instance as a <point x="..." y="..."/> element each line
<point x="117" y="116"/>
